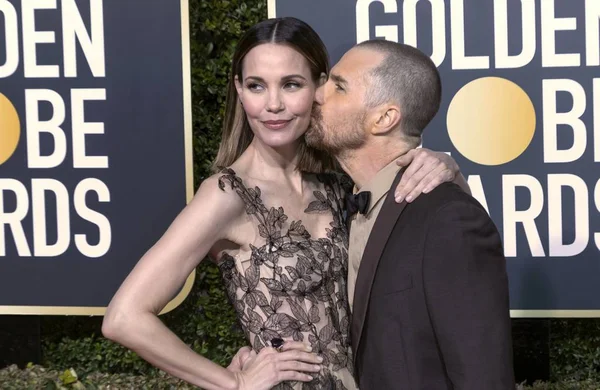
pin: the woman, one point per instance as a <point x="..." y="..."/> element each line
<point x="272" y="221"/>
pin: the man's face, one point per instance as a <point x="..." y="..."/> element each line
<point x="339" y="114"/>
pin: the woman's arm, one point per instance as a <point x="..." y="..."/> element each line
<point x="132" y="316"/>
<point x="425" y="170"/>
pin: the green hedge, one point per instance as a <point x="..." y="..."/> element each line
<point x="36" y="377"/>
<point x="205" y="320"/>
<point x="575" y="349"/>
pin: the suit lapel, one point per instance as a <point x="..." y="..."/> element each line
<point x="384" y="224"/>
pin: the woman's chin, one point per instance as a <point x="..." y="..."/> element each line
<point x="281" y="141"/>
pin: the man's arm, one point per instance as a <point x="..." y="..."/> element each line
<point x="466" y="289"/>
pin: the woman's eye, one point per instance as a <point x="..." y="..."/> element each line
<point x="254" y="87"/>
<point x="339" y="87"/>
<point x="292" y="85"/>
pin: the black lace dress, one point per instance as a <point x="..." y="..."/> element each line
<point x="294" y="286"/>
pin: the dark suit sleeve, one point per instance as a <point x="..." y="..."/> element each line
<point x="466" y="289"/>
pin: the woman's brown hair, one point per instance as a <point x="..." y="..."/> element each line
<point x="237" y="134"/>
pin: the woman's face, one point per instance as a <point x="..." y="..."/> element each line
<point x="277" y="92"/>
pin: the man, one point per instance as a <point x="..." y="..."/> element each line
<point x="427" y="280"/>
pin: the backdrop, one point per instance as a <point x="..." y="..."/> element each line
<point x="95" y="146"/>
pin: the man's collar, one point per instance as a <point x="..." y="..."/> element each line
<point x="380" y="184"/>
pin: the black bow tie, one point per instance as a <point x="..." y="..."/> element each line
<point x="358" y="203"/>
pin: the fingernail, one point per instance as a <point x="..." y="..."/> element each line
<point x="320" y="358"/>
<point x="310" y="377"/>
<point x="399" y="199"/>
<point x="409" y="198"/>
<point x="317" y="367"/>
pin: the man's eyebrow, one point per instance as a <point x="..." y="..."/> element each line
<point x="339" y="79"/>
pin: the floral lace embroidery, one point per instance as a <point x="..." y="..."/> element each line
<point x="295" y="285"/>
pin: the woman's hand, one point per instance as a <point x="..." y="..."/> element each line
<point x="425" y="170"/>
<point x="241" y="357"/>
<point x="270" y="367"/>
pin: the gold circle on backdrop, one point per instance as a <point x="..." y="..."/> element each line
<point x="491" y="121"/>
<point x="10" y="129"/>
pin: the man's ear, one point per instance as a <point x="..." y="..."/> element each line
<point x="385" y="119"/>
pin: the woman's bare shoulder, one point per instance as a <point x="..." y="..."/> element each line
<point x="218" y="193"/>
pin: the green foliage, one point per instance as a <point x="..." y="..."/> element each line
<point x="217" y="333"/>
<point x="575" y="349"/>
<point x="91" y="354"/>
<point x="36" y="377"/>
<point x="565" y="385"/>
<point x="215" y="27"/>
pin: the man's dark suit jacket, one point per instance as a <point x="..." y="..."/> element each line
<point x="431" y="307"/>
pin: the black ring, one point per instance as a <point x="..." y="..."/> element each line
<point x="277" y="343"/>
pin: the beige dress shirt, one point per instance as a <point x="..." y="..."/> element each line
<point x="361" y="225"/>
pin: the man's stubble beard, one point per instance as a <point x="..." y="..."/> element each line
<point x="344" y="137"/>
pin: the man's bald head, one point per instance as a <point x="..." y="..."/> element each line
<point x="407" y="77"/>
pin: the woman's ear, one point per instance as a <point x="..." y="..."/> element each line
<point x="322" y="79"/>
<point x="238" y="86"/>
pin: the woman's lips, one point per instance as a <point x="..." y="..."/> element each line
<point x="276" y="125"/>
